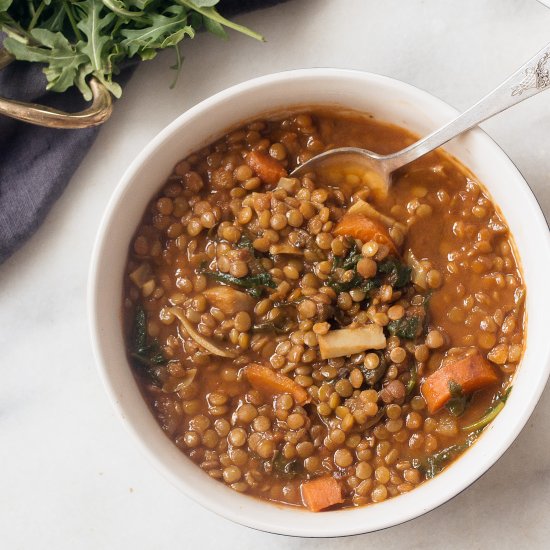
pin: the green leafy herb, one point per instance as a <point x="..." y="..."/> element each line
<point x="352" y="257"/>
<point x="458" y="401"/>
<point x="490" y="414"/>
<point x="347" y="262"/>
<point x="413" y="379"/>
<point x="269" y="328"/>
<point x="147" y="356"/>
<point x="398" y="275"/>
<point x="345" y="286"/>
<point x="253" y="284"/>
<point x="84" y="38"/>
<point x="368" y="285"/>
<point x="372" y="376"/>
<point x="286" y="468"/>
<point x="406" y="327"/>
<point x="434" y="464"/>
<point x="391" y="271"/>
<point x="246" y="242"/>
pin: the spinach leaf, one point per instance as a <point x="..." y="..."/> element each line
<point x="345" y="286"/>
<point x="255" y="261"/>
<point x="413" y="379"/>
<point x="368" y="285"/>
<point x="347" y="262"/>
<point x="352" y="257"/>
<point x="253" y="284"/>
<point x="246" y="242"/>
<point x="398" y="275"/>
<point x="434" y="464"/>
<point x="391" y="271"/>
<point x="458" y="401"/>
<point x="147" y="356"/>
<point x="372" y="376"/>
<point x="286" y="468"/>
<point x="406" y="327"/>
<point x="491" y="413"/>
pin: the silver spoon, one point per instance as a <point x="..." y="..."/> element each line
<point x="530" y="79"/>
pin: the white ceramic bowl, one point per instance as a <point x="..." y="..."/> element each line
<point x="389" y="100"/>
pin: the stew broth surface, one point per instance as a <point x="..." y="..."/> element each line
<point x="288" y="345"/>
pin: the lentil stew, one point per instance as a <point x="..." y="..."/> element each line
<point x="308" y="341"/>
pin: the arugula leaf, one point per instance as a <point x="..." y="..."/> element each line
<point x="77" y="39"/>
<point x="161" y="32"/>
<point x="5" y="4"/>
<point x="206" y="3"/>
<point x="57" y="21"/>
<point x="98" y="46"/>
<point x="206" y="9"/>
<point x="215" y="28"/>
<point x="406" y="327"/>
<point x="119" y="8"/>
<point x="63" y="59"/>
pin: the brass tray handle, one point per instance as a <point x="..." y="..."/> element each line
<point x="94" y="115"/>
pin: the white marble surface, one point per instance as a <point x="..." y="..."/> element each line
<point x="70" y="477"/>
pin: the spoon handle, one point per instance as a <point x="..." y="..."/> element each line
<point x="530" y="79"/>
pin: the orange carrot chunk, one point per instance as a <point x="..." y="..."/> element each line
<point x="271" y="382"/>
<point x="265" y="167"/>
<point x="365" y="229"/>
<point x="471" y="373"/>
<point x="321" y="493"/>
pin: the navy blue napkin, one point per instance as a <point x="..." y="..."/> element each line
<point x="37" y="163"/>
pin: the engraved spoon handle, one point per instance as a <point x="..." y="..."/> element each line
<point x="530" y="79"/>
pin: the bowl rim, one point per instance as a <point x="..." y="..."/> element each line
<point x="312" y="530"/>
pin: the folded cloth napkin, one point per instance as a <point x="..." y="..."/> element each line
<point x="37" y="163"/>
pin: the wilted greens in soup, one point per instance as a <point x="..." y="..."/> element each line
<point x="308" y="342"/>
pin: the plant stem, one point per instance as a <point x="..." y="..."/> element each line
<point x="36" y="15"/>
<point x="211" y="13"/>
<point x="69" y="11"/>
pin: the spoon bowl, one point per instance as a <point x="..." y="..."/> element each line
<point x="530" y="79"/>
<point x="376" y="168"/>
